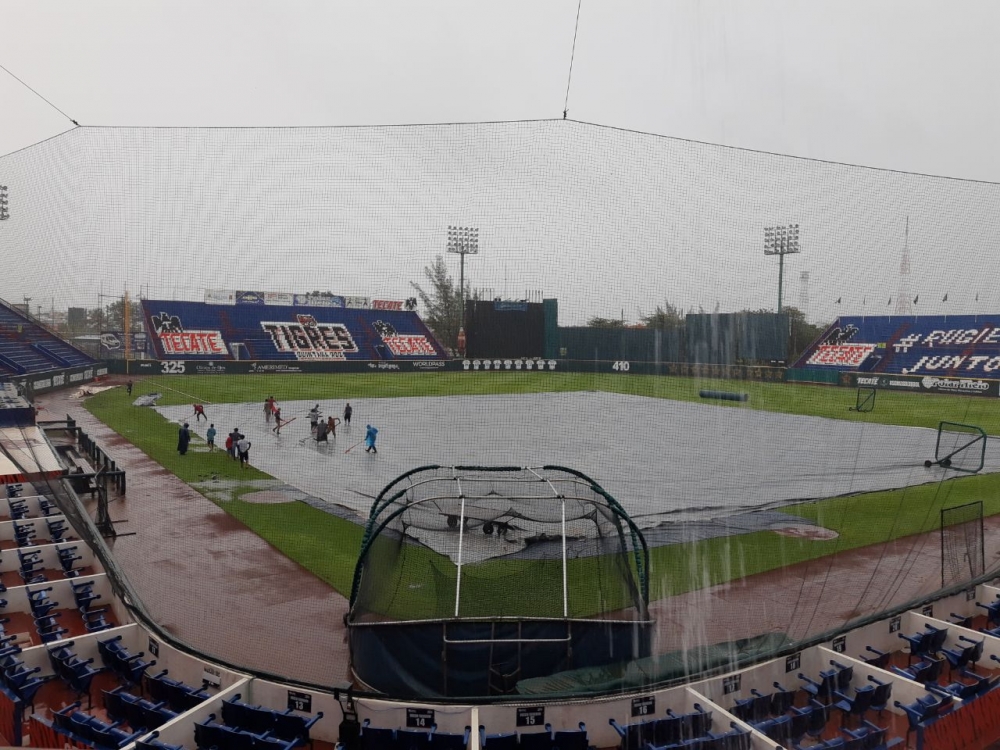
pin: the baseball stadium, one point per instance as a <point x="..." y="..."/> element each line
<point x="429" y="512"/>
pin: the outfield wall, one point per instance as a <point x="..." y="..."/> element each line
<point x="618" y="367"/>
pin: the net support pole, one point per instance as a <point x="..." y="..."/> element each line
<point x="564" y="580"/>
<point x="458" y="564"/>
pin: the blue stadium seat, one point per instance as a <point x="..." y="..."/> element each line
<point x="152" y="742"/>
<point x="858" y="705"/>
<point x="992" y="611"/>
<point x="376" y="738"/>
<point x="880" y="658"/>
<point x="571" y="739"/>
<point x="881" y="696"/>
<point x="536" y="740"/>
<point x="449" y="740"/>
<point x="634" y="736"/>
<point x="500" y="741"/>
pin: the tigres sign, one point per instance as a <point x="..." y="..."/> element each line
<point x="309" y="339"/>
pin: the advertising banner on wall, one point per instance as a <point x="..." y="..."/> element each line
<point x="508" y="306"/>
<point x="113" y="343"/>
<point x="925" y="384"/>
<point x="318" y="300"/>
<point x="356" y="302"/>
<point x="279" y="298"/>
<point x="220" y="297"/>
<point x="387" y="304"/>
<point x="249" y="298"/>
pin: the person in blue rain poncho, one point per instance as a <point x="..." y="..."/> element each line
<point x="370" y="434"/>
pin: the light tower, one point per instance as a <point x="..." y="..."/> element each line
<point x="4" y="213"/>
<point x="781" y="241"/>
<point x="463" y="241"/>
<point x="903" y="304"/>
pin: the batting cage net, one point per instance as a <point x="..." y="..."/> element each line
<point x="497" y="563"/>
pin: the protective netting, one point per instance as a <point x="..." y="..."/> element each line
<point x="787" y="514"/>
<point x="962" y="550"/>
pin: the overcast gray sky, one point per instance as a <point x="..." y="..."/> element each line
<point x="899" y="85"/>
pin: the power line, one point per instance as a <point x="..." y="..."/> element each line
<point x="572" y="54"/>
<point x="39" y="96"/>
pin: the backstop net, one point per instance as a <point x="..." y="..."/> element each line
<point x="281" y="262"/>
<point x="471" y="579"/>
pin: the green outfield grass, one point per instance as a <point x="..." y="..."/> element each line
<point x="328" y="546"/>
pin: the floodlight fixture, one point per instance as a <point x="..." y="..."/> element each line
<point x="462" y="241"/>
<point x="781" y="241"/>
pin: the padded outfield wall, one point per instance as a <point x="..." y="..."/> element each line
<point x="203" y="332"/>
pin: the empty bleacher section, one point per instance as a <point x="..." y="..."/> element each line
<point x="931" y="346"/>
<point x="27" y="347"/>
<point x="200" y="331"/>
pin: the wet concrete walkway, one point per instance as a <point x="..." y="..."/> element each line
<point x="209" y="580"/>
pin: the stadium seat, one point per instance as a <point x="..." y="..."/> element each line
<point x="449" y="740"/>
<point x="152" y="742"/>
<point x="856" y="706"/>
<point x="669" y="730"/>
<point x="963" y="621"/>
<point x="289" y="726"/>
<point x="778" y="729"/>
<point x="936" y="639"/>
<point x="819" y="715"/>
<point x="880" y="698"/>
<point x="376" y="738"/>
<point x="992" y="612"/>
<point x="412" y="739"/>
<point x="637" y="735"/>
<point x="781" y="700"/>
<point x="249" y="718"/>
<point x="761" y="703"/>
<point x="928" y="670"/>
<point x="501" y="741"/>
<point x="111" y="736"/>
<point x="977" y="650"/>
<point x="571" y="739"/>
<point x="801" y="719"/>
<point x="181" y="697"/>
<point x="130" y="668"/>
<point x="880" y="658"/>
<point x="210" y="734"/>
<point x="114" y="704"/>
<point x="918" y="643"/>
<point x="537" y="740"/>
<point x="958" y="658"/>
<point x="824" y="688"/>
